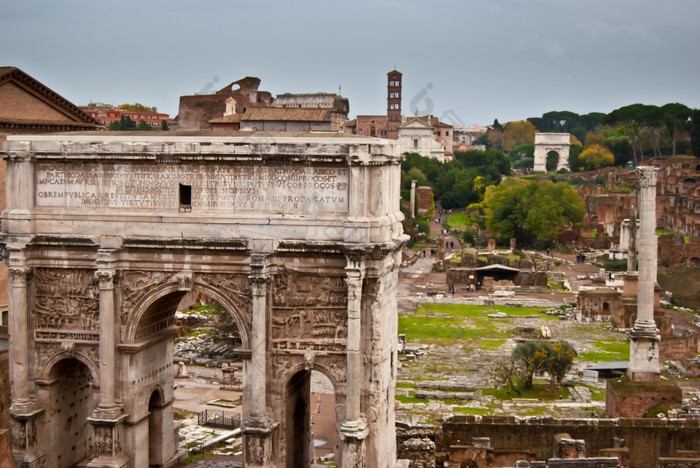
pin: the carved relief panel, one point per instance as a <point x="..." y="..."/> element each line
<point x="65" y="300"/>
<point x="309" y="312"/>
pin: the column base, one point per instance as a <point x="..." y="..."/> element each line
<point x="642" y="376"/>
<point x="353" y="435"/>
<point x="257" y="443"/>
<point x="121" y="461"/>
<point x="33" y="459"/>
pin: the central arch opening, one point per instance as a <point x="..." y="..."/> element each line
<point x="71" y="403"/>
<point x="299" y="420"/>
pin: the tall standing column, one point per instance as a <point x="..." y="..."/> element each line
<point x="632" y="242"/>
<point x="108" y="418"/>
<point x="644" y="335"/>
<point x="258" y="374"/>
<point x="413" y="198"/>
<point x="19" y="336"/>
<point x="353" y="431"/>
<point x="257" y="446"/>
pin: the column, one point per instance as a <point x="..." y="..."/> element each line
<point x="108" y="417"/>
<point x="644" y="335"/>
<point x="107" y="340"/>
<point x="413" y="198"/>
<point x="258" y="427"/>
<point x="632" y="241"/>
<point x="353" y="431"/>
<point x="258" y="361"/>
<point x="19" y="335"/>
<point x="24" y="409"/>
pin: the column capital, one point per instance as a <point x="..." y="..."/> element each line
<point x="105" y="279"/>
<point x="258" y="284"/>
<point x="647" y="175"/>
<point x="19" y="275"/>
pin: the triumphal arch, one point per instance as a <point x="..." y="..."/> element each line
<point x="545" y="143"/>
<point x="298" y="236"/>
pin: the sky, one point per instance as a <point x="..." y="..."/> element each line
<point x="466" y="61"/>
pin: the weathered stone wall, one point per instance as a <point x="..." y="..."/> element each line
<point x="6" y="460"/>
<point x="424" y="200"/>
<point x="647" y="439"/>
<point x="4" y="389"/>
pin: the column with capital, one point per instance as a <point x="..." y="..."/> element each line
<point x="353" y="431"/>
<point x="24" y="410"/>
<point x="258" y="426"/>
<point x="644" y="335"/>
<point x="108" y="417"/>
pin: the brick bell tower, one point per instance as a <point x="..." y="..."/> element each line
<point x="393" y="104"/>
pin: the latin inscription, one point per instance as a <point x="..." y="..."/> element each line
<point x="213" y="188"/>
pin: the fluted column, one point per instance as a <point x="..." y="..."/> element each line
<point x="353" y="431"/>
<point x="107" y="340"/>
<point x="19" y="336"/>
<point x="258" y="361"/>
<point x="644" y="335"/>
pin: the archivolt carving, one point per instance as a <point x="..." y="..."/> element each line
<point x="47" y="352"/>
<point x="66" y="299"/>
<point x="237" y="285"/>
<point x="135" y="285"/>
<point x="295" y="290"/>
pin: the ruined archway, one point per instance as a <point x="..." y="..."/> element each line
<point x="286" y="232"/>
<point x="548" y="142"/>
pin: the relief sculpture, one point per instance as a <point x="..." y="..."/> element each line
<point x="309" y="312"/>
<point x="66" y="299"/>
<point x="238" y="285"/>
<point x="135" y="285"/>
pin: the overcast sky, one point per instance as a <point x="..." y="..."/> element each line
<point x="466" y="61"/>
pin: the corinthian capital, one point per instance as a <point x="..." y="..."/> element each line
<point x="647" y="175"/>
<point x="19" y="275"/>
<point x="258" y="284"/>
<point x="105" y="278"/>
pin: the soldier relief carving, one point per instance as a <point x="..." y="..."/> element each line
<point x="309" y="312"/>
<point x="66" y="299"/>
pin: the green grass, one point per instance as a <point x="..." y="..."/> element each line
<point x="412" y="398"/>
<point x="459" y="221"/>
<point x="405" y="385"/>
<point x="608" y="350"/>
<point x="443" y="323"/>
<point x="539" y="390"/>
<point x="471" y="410"/>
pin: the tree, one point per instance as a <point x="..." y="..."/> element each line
<point x="695" y="133"/>
<point x="164" y="125"/>
<point x="136" y="107"/>
<point x="518" y="133"/>
<point x="543" y="356"/>
<point x="143" y="126"/>
<point x="533" y="212"/>
<point x="676" y="118"/>
<point x="596" y="156"/>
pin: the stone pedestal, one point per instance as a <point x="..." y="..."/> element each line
<point x="25" y="448"/>
<point x="108" y="440"/>
<point x="354" y="449"/>
<point x="257" y="447"/>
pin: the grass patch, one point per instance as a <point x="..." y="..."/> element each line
<point x="489" y="344"/>
<point x="412" y="398"/>
<point x="459" y="221"/>
<point x="470" y="410"/>
<point x="607" y="350"/>
<point x="405" y="385"/>
<point x="443" y="323"/>
<point x="539" y="391"/>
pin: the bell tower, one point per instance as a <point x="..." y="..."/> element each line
<point x="393" y="104"/>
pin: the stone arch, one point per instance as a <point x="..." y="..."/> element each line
<point x="70" y="401"/>
<point x="547" y="142"/>
<point x="156" y="404"/>
<point x="174" y="288"/>
<point x="77" y="355"/>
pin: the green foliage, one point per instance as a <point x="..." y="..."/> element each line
<point x="423" y="225"/>
<point x="518" y="133"/>
<point x="555" y="358"/>
<point x="532" y="211"/>
<point x="460" y="182"/>
<point x="595" y="157"/>
<point x="574" y="151"/>
<point x="695" y="133"/>
<point x="164" y="126"/>
<point x="136" y="107"/>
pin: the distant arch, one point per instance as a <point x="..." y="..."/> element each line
<point x="547" y="142"/>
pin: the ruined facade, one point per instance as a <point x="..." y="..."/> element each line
<point x="106" y="235"/>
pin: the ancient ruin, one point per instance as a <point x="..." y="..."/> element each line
<point x="106" y="233"/>
<point x="547" y="142"/>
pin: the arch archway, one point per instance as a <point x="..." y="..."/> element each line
<point x="548" y="142"/>
<point x="70" y="403"/>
